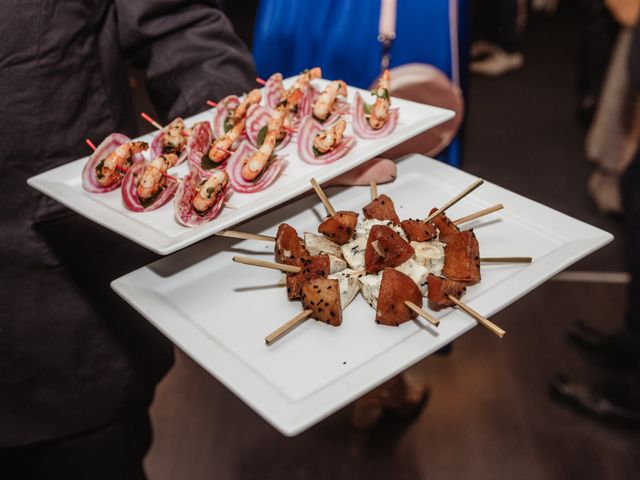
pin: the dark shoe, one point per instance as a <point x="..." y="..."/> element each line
<point x="615" y="404"/>
<point x="398" y="398"/>
<point x="619" y="351"/>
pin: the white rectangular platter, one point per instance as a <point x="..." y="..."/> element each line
<point x="219" y="311"/>
<point x="160" y="232"/>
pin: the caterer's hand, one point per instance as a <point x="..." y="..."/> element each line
<point x="382" y="170"/>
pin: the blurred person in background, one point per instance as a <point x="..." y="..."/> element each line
<point x="427" y="55"/>
<point x="78" y="367"/>
<point x="499" y="26"/>
<point x="617" y="397"/>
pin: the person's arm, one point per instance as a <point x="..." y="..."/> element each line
<point x="188" y="50"/>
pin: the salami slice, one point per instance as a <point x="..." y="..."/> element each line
<point x="361" y="125"/>
<point x="257" y="120"/>
<point x="183" y="209"/>
<point x="221" y="113"/>
<point x="273" y="90"/>
<point x="198" y="148"/>
<point x="108" y="145"/>
<point x="130" y="195"/>
<point x="309" y="128"/>
<point x="156" y="148"/>
<point x="234" y="167"/>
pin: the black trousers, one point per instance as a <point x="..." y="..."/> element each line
<point x="630" y="188"/>
<point x="114" y="452"/>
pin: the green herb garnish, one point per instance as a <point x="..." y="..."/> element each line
<point x="317" y="152"/>
<point x="261" y="136"/>
<point x="367" y="108"/>
<point x="206" y="163"/>
<point x="228" y="123"/>
<point x="99" y="167"/>
<point x="145" y="202"/>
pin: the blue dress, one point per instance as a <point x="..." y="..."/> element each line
<point x="341" y="37"/>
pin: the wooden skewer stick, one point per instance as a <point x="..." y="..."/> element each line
<point x="264" y="264"/>
<point x="287" y="327"/>
<point x="506" y="259"/>
<point x="261" y="81"/>
<point x="374" y="190"/>
<point x="325" y="201"/>
<point x="211" y="103"/>
<point x="228" y="205"/>
<point x="485" y="322"/>
<point x="455" y="199"/>
<point x="478" y="214"/>
<point x="246" y="236"/>
<point x="423" y="313"/>
<point x="151" y="121"/>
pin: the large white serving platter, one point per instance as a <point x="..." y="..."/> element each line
<point x="219" y="312"/>
<point x="161" y="233"/>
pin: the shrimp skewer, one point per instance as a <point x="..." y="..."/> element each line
<point x="326" y="101"/>
<point x="209" y="190"/>
<point x="154" y="178"/>
<point x="328" y="139"/>
<point x="380" y="110"/>
<point x="220" y="148"/>
<point x="110" y="170"/>
<point x="173" y="139"/>
<point x="240" y="112"/>
<point x="303" y="80"/>
<point x="255" y="164"/>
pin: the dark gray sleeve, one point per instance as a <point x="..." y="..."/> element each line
<point x="634" y="58"/>
<point x="188" y="50"/>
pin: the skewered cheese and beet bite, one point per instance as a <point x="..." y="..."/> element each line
<point x="289" y="247"/>
<point x="381" y="208"/>
<point x="395" y="289"/>
<point x="385" y="248"/>
<point x="418" y="230"/>
<point x="339" y="227"/>
<point x="440" y="289"/>
<point x="447" y="230"/>
<point x="462" y="258"/>
<point x="322" y="297"/>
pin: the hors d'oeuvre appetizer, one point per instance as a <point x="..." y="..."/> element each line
<point x="339" y="228"/>
<point x="206" y="153"/>
<point x="108" y="164"/>
<point x="289" y="246"/>
<point x="462" y="258"/>
<point x="262" y="121"/>
<point x="319" y="145"/>
<point x="252" y="170"/>
<point x="173" y="138"/>
<point x="378" y="119"/>
<point x="381" y="208"/>
<point x="327" y="107"/>
<point x="147" y="186"/>
<point x="276" y="93"/>
<point x="232" y="110"/>
<point x="199" y="200"/>
<point x="439" y="290"/>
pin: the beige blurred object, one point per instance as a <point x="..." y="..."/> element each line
<point x="426" y="84"/>
<point x="615" y="132"/>
<point x="626" y="12"/>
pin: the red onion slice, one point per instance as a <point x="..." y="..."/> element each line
<point x="273" y="90"/>
<point x="108" y="145"/>
<point x="221" y="112"/>
<point x="257" y="119"/>
<point x="361" y="125"/>
<point x="234" y="168"/>
<point x="184" y="212"/>
<point x="130" y="195"/>
<point x="309" y="128"/>
<point x="198" y="146"/>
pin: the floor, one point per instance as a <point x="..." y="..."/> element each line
<point x="489" y="416"/>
